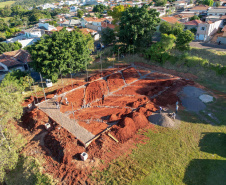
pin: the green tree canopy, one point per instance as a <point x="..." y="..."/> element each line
<point x="167" y="28"/>
<point x="107" y="36"/>
<point x="137" y="25"/>
<point x="160" y="2"/>
<point x="116" y="13"/>
<point x="195" y="17"/>
<point x="5" y="47"/>
<point x="183" y="40"/>
<point x="80" y="13"/>
<point x="61" y="52"/>
<point x="208" y="2"/>
<point x="99" y="8"/>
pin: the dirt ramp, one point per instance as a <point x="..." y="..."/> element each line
<point x="95" y="90"/>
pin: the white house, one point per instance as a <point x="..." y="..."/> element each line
<point x="217" y="11"/>
<point x="207" y="29"/>
<point x="71" y="2"/>
<point x="92" y="23"/>
<point x="46" y="26"/>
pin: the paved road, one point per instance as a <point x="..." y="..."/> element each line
<point x="203" y="45"/>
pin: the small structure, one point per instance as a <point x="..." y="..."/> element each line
<point x="47" y="126"/>
<point x="84" y="156"/>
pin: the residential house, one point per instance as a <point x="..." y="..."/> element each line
<point x="107" y="24"/>
<point x="223" y="18"/>
<point x="212" y="18"/>
<point x="47" y="6"/>
<point x="171" y="20"/>
<point x="185" y="16"/>
<point x="222" y="39"/>
<point x="180" y="4"/>
<point x="92" y="23"/>
<point x="71" y="2"/>
<point x="192" y="24"/>
<point x="201" y="9"/>
<point x="161" y="10"/>
<point x="217" y="11"/>
<point x="70" y="23"/>
<point x="94" y="33"/>
<point x="207" y="29"/>
<point x="45" y="26"/>
<point x="14" y="60"/>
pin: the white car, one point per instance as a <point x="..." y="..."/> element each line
<point x="49" y="83"/>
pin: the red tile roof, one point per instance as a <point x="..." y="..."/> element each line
<point x="87" y="31"/>
<point x="19" y="55"/>
<point x="224" y="28"/>
<point x="9" y="61"/>
<point x="105" y="25"/>
<point x="170" y="19"/>
<point x="93" y="19"/>
<point x="200" y="7"/>
<point x="193" y="22"/>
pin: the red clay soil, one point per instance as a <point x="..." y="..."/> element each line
<point x="68" y="88"/>
<point x="122" y="101"/>
<point x="93" y="126"/>
<point x="169" y="71"/>
<point x="76" y="98"/>
<point x="169" y="97"/>
<point x="125" y="130"/>
<point x="139" y="119"/>
<point x="130" y="75"/>
<point x="95" y="90"/>
<point x="157" y="76"/>
<point x="143" y="71"/>
<point x="115" y="81"/>
<point x="33" y="119"/>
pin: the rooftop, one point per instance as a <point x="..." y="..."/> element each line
<point x="193" y="22"/>
<point x="200" y="7"/>
<point x="170" y="19"/>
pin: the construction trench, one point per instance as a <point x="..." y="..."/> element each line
<point x="117" y="101"/>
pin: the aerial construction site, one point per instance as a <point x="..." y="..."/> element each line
<point x="100" y="116"/>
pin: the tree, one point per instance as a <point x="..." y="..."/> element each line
<point x="99" y="8"/>
<point x="107" y="36"/>
<point x="159" y="51"/>
<point x="62" y="52"/>
<point x="5" y="47"/>
<point x="168" y="28"/>
<point x="160" y="2"/>
<point x="183" y="40"/>
<point x="208" y="2"/>
<point x="3" y="25"/>
<point x="165" y="27"/>
<point x="80" y="13"/>
<point x="137" y="25"/>
<point x="116" y="13"/>
<point x="195" y="17"/>
<point x="217" y="3"/>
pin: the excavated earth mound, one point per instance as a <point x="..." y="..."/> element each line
<point x="130" y="75"/>
<point x="115" y="81"/>
<point x="95" y="90"/>
<point x="126" y="129"/>
<point x="139" y="119"/>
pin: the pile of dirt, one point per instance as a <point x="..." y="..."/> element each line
<point x="162" y="119"/>
<point x="115" y="81"/>
<point x="95" y="90"/>
<point x="68" y="88"/>
<point x="33" y="119"/>
<point x="139" y="119"/>
<point x="125" y="130"/>
<point x="130" y="75"/>
<point x="62" y="145"/>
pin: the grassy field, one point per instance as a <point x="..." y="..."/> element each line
<point x="194" y="154"/>
<point x="8" y="3"/>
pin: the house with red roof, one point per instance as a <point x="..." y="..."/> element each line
<point x="192" y="24"/>
<point x="171" y="20"/>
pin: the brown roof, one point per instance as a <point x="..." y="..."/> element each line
<point x="193" y="22"/>
<point x="9" y="61"/>
<point x="87" y="31"/>
<point x="170" y="19"/>
<point x="105" y="25"/>
<point x="19" y="55"/>
<point x="58" y="28"/>
<point x="200" y="7"/>
<point x="93" y="19"/>
<point x="224" y="28"/>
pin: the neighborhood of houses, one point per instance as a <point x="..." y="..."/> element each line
<point x="210" y="28"/>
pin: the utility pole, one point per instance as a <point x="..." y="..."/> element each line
<point x="31" y="89"/>
<point x="71" y="77"/>
<point x="61" y="80"/>
<point x="100" y="64"/>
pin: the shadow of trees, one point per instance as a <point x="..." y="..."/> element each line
<point x="208" y="171"/>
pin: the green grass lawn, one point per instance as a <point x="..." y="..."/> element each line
<point x="8" y="3"/>
<point x="193" y="154"/>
